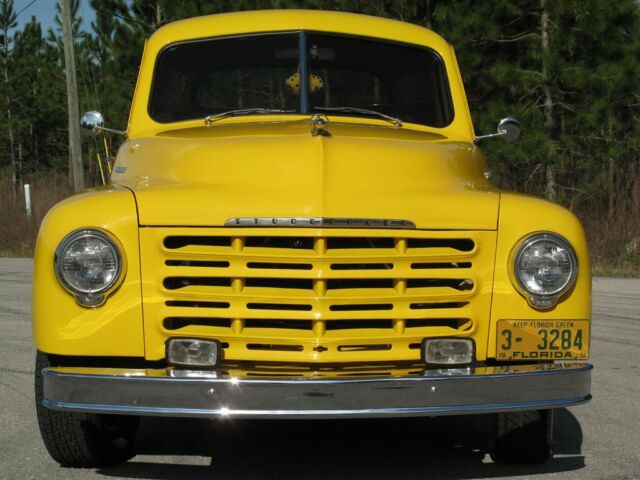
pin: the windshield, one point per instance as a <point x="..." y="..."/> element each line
<point x="343" y="73"/>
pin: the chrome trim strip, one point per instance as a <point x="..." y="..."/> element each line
<point x="354" y="413"/>
<point x="442" y="374"/>
<point x="317" y="222"/>
<point x="435" y="392"/>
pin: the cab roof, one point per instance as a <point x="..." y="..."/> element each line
<point x="292" y="20"/>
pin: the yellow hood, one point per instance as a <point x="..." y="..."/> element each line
<point x="206" y="176"/>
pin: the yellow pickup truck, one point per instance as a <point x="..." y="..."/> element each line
<point x="300" y="224"/>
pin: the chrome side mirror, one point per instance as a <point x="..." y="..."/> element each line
<point x="509" y="128"/>
<point x="92" y="123"/>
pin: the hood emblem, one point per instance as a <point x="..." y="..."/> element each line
<point x="318" y="222"/>
<point x="320" y="125"/>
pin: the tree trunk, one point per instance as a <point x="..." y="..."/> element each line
<point x="612" y="188"/>
<point x="425" y="11"/>
<point x="19" y="165"/>
<point x="635" y="187"/>
<point x="549" y="126"/>
<point x="7" y="98"/>
<point x="158" y="19"/>
<point x="550" y="185"/>
<point x="75" y="153"/>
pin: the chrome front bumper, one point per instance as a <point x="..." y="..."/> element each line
<point x="213" y="394"/>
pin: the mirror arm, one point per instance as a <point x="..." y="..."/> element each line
<point x="111" y="130"/>
<point x="499" y="133"/>
<point x="509" y="128"/>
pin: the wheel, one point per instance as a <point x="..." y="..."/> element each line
<point x="523" y="437"/>
<point x="81" y="439"/>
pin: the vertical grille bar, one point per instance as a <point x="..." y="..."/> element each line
<point x="320" y="285"/>
<point x="237" y="284"/>
<point x="401" y="245"/>
<point x="400" y="285"/>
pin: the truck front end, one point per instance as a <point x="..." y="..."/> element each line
<point x="299" y="225"/>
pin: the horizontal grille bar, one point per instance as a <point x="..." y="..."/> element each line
<point x="279" y="348"/>
<point x="307" y="243"/>
<point x="196" y="304"/>
<point x="176" y="323"/>
<point x="433" y="265"/>
<point x="278" y="306"/>
<point x="196" y="263"/>
<point x="172" y="323"/>
<point x="174" y="283"/>
<point x="362" y="266"/>
<point x="280" y="266"/>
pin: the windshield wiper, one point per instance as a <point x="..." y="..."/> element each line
<point x="209" y="119"/>
<point x="365" y="111"/>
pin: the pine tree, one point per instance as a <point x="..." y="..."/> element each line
<point x="8" y="22"/>
<point x="40" y="99"/>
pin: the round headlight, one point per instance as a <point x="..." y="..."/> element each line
<point x="545" y="267"/>
<point x="88" y="264"/>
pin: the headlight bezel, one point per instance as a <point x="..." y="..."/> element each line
<point x="91" y="299"/>
<point x="538" y="300"/>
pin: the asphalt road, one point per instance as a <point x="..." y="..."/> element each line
<point x="600" y="440"/>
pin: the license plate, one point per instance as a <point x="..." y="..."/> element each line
<point x="542" y="340"/>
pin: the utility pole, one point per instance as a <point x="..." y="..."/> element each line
<point x="75" y="153"/>
<point x="9" y="21"/>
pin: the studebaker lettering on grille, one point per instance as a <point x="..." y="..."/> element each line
<point x="318" y="222"/>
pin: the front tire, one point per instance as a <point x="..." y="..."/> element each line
<point x="82" y="440"/>
<point x="523" y="437"/>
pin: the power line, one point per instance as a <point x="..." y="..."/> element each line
<point x="30" y="3"/>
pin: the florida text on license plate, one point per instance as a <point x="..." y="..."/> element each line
<point x="542" y="340"/>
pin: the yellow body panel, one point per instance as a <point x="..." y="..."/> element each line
<point x="60" y="325"/>
<point x="185" y="180"/>
<point x="520" y="216"/>
<point x="205" y="176"/>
